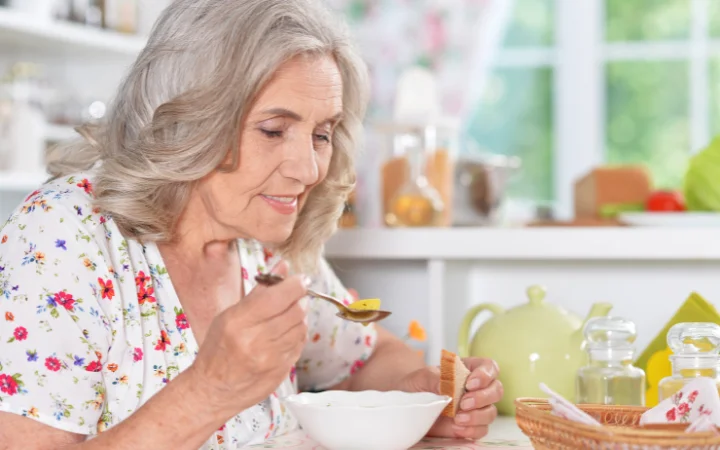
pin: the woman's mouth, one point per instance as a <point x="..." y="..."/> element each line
<point x="284" y="204"/>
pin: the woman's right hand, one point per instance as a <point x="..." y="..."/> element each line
<point x="251" y="347"/>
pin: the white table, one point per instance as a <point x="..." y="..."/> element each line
<point x="504" y="433"/>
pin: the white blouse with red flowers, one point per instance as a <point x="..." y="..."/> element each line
<point x="92" y="327"/>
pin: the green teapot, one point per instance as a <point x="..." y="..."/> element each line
<point x="532" y="343"/>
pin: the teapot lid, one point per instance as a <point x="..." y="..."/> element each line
<point x="536" y="294"/>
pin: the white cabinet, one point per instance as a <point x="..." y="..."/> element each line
<point x="86" y="60"/>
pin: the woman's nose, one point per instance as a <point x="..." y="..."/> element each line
<point x="302" y="164"/>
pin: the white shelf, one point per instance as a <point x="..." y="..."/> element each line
<point x="21" y="181"/>
<point x="528" y="244"/>
<point x="23" y="31"/>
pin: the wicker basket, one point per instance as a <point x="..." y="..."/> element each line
<point x="622" y="432"/>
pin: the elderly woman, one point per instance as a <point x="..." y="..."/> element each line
<point x="131" y="313"/>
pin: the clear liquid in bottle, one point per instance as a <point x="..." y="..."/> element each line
<point x="696" y="353"/>
<point x="609" y="378"/>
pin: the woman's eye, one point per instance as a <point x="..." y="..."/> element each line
<point x="272" y="133"/>
<point x="323" y="138"/>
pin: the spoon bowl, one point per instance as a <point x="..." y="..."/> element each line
<point x="364" y="317"/>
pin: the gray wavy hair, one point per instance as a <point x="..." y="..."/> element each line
<point x="179" y="111"/>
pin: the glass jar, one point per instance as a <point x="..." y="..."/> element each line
<point x="416" y="203"/>
<point x="420" y="154"/>
<point x="609" y="378"/>
<point x="695" y="347"/>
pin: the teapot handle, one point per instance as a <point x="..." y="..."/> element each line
<point x="464" y="334"/>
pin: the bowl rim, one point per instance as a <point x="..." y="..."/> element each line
<point x="440" y="400"/>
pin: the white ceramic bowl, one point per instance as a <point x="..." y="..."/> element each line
<point x="341" y="420"/>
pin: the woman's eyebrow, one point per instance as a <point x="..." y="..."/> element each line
<point x="295" y="116"/>
<point x="283" y="112"/>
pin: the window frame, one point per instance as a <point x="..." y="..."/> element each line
<point x="578" y="60"/>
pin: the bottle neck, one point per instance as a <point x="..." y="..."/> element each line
<point x="695" y="365"/>
<point x="610" y="357"/>
<point x="416" y="159"/>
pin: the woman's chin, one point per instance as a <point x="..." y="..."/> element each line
<point x="275" y="236"/>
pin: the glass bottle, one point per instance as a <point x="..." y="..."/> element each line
<point x="417" y="203"/>
<point x="695" y="347"/>
<point x="609" y="378"/>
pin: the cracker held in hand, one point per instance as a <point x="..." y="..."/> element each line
<point x="453" y="375"/>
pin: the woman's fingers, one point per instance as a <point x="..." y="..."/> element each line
<point x="483" y="397"/>
<point x="478" y="417"/>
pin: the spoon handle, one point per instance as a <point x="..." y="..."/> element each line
<point x="270" y="279"/>
<point x="327" y="298"/>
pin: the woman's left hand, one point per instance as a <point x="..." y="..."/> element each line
<point x="477" y="407"/>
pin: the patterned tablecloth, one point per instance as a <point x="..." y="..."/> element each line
<point x="503" y="434"/>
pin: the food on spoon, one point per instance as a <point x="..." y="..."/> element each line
<point x="453" y="375"/>
<point x="368" y="304"/>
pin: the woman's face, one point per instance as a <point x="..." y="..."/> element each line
<point x="285" y="151"/>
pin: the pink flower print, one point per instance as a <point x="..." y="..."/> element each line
<point x="33" y="194"/>
<point x="293" y="372"/>
<point x="181" y="320"/>
<point x="137" y="354"/>
<point x="94" y="366"/>
<point x="66" y="300"/>
<point x="244" y="274"/>
<point x="52" y="363"/>
<point x="683" y="408"/>
<point x="8" y="384"/>
<point x="357" y="365"/>
<point x="670" y="415"/>
<point x="693" y="395"/>
<point x="20" y="333"/>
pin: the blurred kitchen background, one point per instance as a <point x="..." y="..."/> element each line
<point x="508" y="143"/>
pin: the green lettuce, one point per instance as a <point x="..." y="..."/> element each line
<point x="702" y="179"/>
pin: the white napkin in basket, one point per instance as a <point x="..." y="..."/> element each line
<point x="561" y="407"/>
<point x="695" y="403"/>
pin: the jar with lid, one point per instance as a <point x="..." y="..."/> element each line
<point x="416" y="203"/>
<point x="417" y="154"/>
<point x="609" y="378"/>
<point x="695" y="350"/>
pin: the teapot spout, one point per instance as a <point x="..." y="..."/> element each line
<point x="597" y="310"/>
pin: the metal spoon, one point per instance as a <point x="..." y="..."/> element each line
<point x="364" y="317"/>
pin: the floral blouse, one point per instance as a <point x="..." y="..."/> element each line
<point x="91" y="327"/>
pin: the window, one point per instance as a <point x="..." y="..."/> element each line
<point x="515" y="113"/>
<point x="574" y="84"/>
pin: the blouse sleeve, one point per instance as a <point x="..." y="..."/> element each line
<point x="54" y="336"/>
<point x="336" y="348"/>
